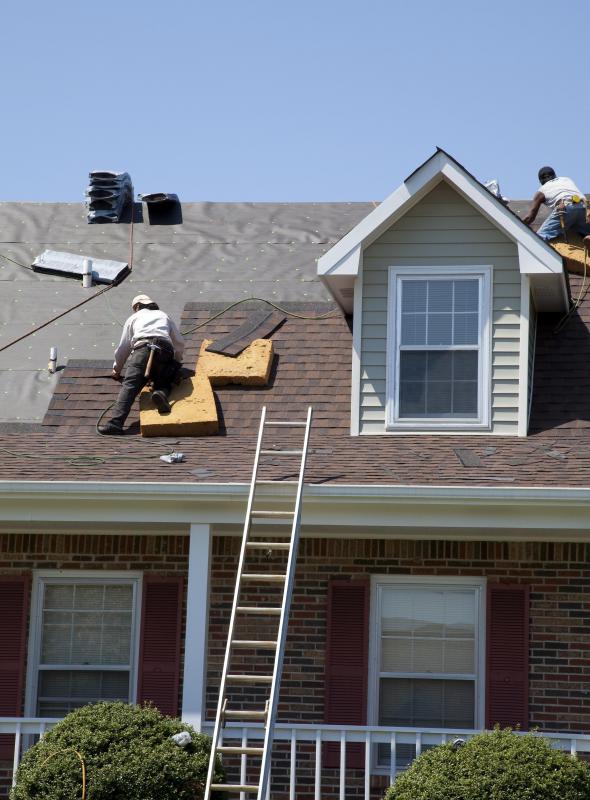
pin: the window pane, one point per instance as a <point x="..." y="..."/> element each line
<point x="465" y="365"/>
<point x="427" y="703"/>
<point x="439" y="399"/>
<point x="413" y="296"/>
<point x="440" y="295"/>
<point x="465" y="329"/>
<point x="413" y="329"/>
<point x="466" y="295"/>
<point x="440" y="329"/>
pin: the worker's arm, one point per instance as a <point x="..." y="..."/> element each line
<point x="177" y="340"/>
<point x="536" y="204"/>
<point x="124" y="348"/>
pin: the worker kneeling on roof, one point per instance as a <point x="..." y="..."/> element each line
<point x="567" y="204"/>
<point x="151" y="345"/>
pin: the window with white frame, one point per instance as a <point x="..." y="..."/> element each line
<point x="438" y="364"/>
<point x="428" y="651"/>
<point x="83" y="643"/>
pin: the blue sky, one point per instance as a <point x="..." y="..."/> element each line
<point x="306" y="100"/>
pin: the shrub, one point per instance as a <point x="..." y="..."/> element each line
<point x="500" y="765"/>
<point x="128" y="755"/>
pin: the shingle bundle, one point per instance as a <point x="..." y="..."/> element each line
<point x="108" y="193"/>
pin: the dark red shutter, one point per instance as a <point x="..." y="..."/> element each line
<point x="507" y="662"/>
<point x="14" y="604"/>
<point x="159" y="652"/>
<point x="347" y="645"/>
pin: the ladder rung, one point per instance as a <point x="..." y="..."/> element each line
<point x="269" y="545"/>
<point x="281" y="514"/>
<point x="249" y="751"/>
<point x="238" y="714"/>
<point x="281" y="452"/>
<point x="285" y="424"/>
<point x="263" y="576"/>
<point x="268" y="644"/>
<point x="237" y="787"/>
<point x="270" y="610"/>
<point x="249" y="678"/>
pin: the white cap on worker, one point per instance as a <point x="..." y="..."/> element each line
<point x="141" y="300"/>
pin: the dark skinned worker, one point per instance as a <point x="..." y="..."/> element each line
<point x="148" y="330"/>
<point x="565" y="201"/>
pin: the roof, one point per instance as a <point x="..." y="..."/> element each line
<point x="217" y="254"/>
<point x="343" y="262"/>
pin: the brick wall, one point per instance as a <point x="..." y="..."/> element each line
<point x="558" y="574"/>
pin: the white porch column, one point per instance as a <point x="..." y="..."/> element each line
<point x="197" y="615"/>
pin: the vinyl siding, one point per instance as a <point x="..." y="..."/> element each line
<point x="442" y="230"/>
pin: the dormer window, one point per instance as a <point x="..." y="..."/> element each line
<point x="438" y="348"/>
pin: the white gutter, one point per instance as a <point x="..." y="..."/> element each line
<point x="353" y="510"/>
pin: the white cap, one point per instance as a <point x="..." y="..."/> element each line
<point x="142" y="300"/>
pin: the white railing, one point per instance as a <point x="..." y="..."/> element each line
<point x="402" y="745"/>
<point x="26" y="730"/>
<point x="302" y="745"/>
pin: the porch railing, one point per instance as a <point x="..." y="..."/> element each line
<point x="396" y="747"/>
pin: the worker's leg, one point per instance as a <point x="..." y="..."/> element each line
<point x="133" y="382"/>
<point x="164" y="371"/>
<point x="551" y="228"/>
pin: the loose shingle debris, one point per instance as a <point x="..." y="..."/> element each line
<point x="260" y="324"/>
<point x="467" y="457"/>
<point x="202" y="472"/>
<point x="104" y="270"/>
<point x="108" y="193"/>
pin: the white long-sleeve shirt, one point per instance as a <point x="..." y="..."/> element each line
<point x="147" y="324"/>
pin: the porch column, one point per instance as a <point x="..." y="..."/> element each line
<point x="197" y="615"/>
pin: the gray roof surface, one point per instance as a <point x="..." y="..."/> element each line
<point x="217" y="252"/>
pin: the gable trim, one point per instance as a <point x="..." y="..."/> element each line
<point x="535" y="255"/>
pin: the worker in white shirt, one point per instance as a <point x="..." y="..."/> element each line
<point x="567" y="204"/>
<point x="148" y="330"/>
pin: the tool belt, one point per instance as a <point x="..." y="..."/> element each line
<point x="154" y="343"/>
<point x="574" y="200"/>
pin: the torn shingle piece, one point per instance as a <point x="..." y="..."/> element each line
<point x="260" y="324"/>
<point x="467" y="457"/>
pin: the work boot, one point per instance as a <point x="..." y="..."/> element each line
<point x="110" y="429"/>
<point x="161" y="401"/>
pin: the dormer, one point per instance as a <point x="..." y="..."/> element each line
<point x="444" y="283"/>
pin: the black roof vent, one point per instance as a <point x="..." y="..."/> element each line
<point x="108" y="194"/>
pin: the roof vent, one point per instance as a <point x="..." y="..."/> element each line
<point x="163" y="208"/>
<point x="108" y="193"/>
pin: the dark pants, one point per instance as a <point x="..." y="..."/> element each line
<point x="162" y="374"/>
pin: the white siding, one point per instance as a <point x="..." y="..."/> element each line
<point x="442" y="230"/>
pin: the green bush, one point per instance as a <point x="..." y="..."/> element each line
<point x="500" y="765"/>
<point x="127" y="752"/>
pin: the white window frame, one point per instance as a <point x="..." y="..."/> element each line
<point x="380" y="582"/>
<point x="43" y="577"/>
<point x="484" y="394"/>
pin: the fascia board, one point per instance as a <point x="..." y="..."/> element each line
<point x="347" y="505"/>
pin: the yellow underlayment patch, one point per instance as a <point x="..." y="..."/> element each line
<point x="194" y="412"/>
<point x="573" y="251"/>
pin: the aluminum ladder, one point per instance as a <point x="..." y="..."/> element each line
<point x="252" y="542"/>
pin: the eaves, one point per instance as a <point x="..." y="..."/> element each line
<point x="450" y="511"/>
